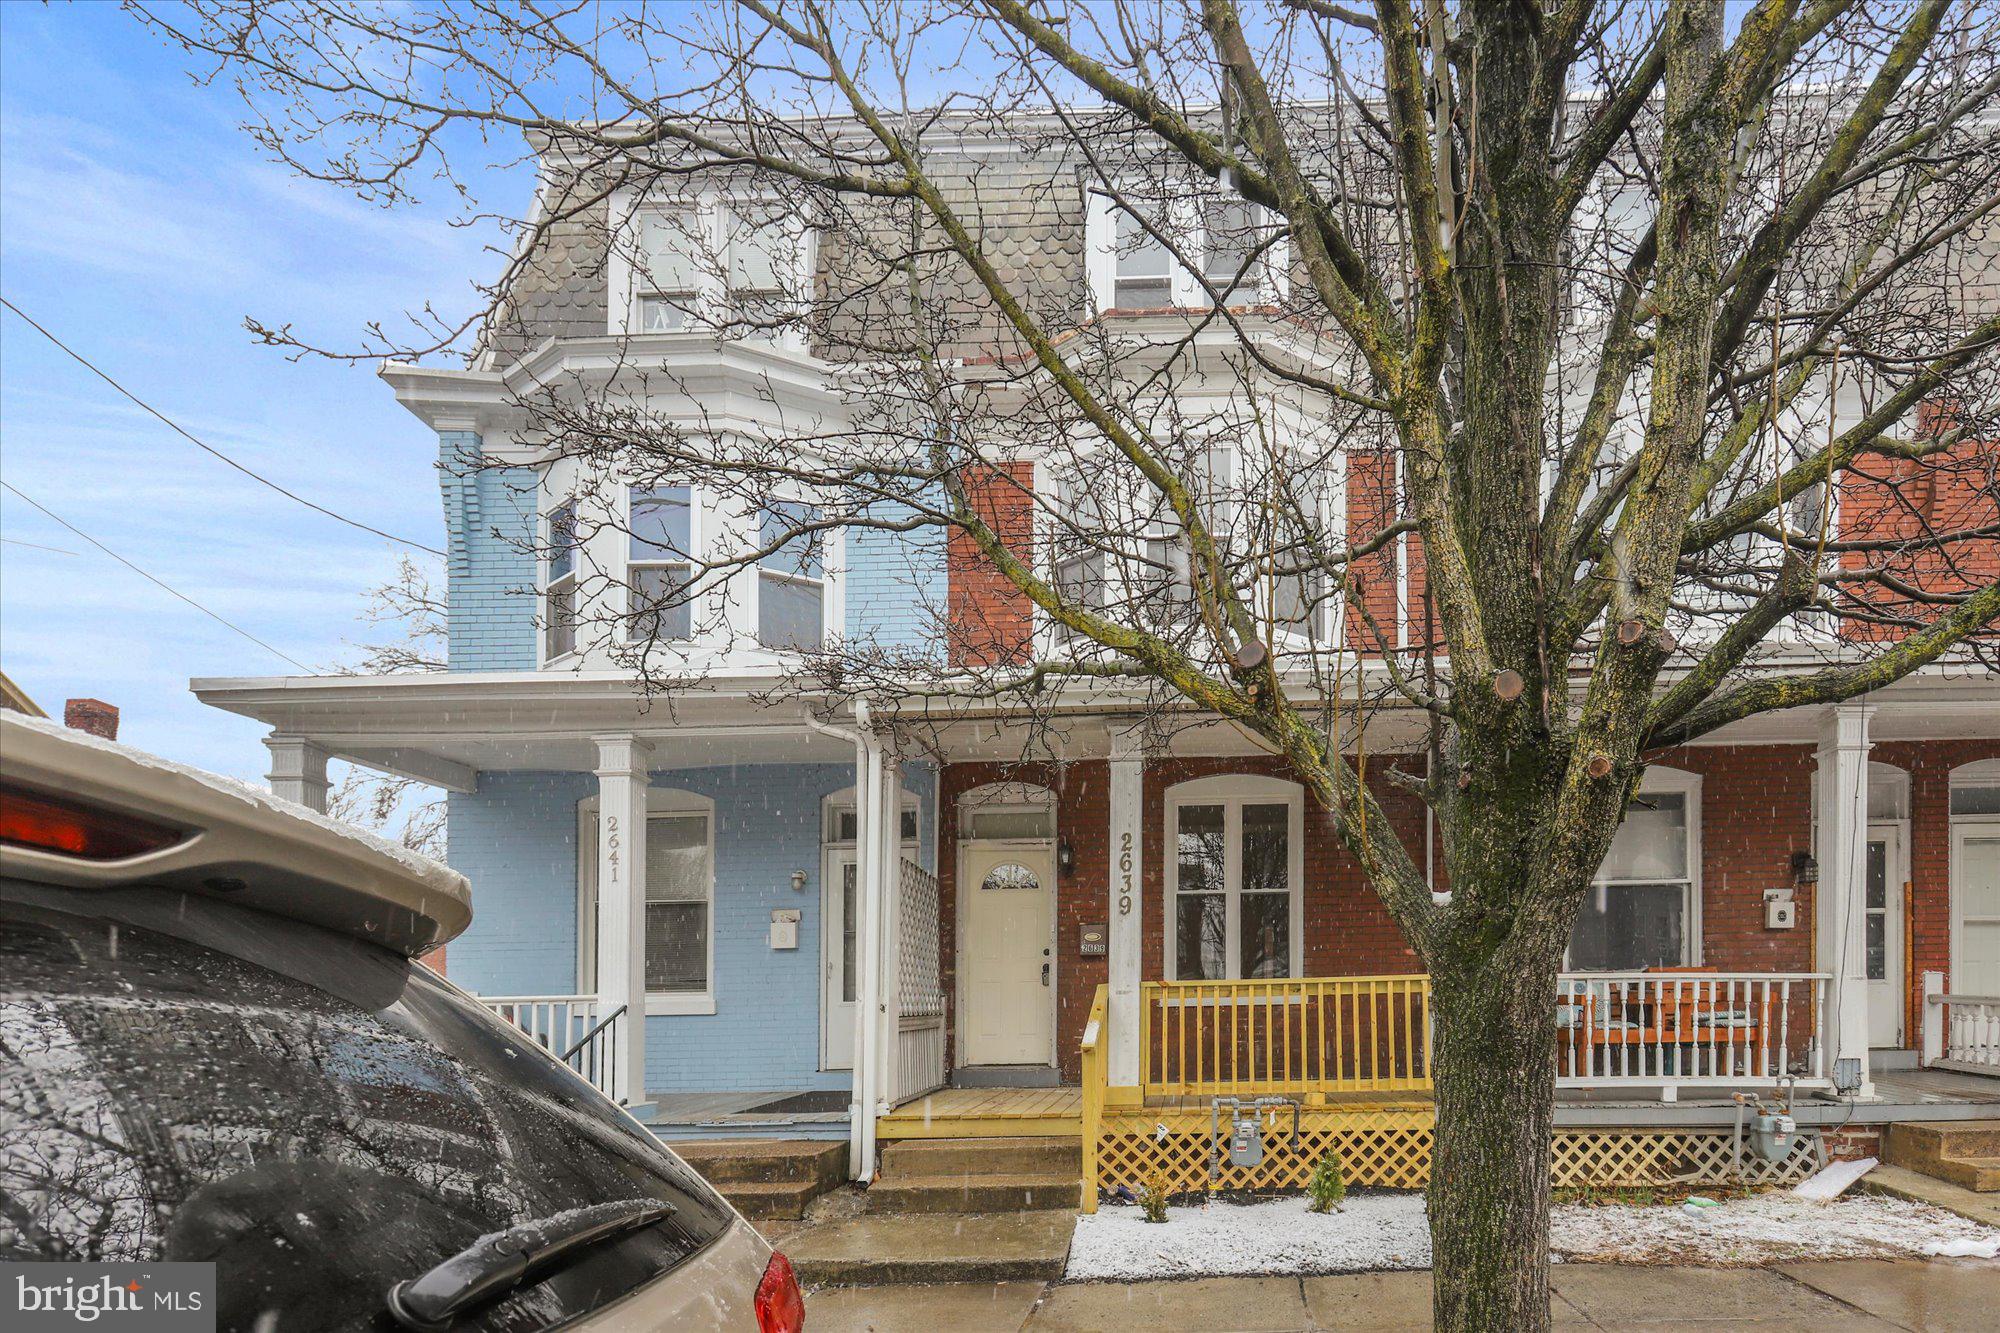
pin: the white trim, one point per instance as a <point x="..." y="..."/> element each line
<point x="659" y="801"/>
<point x="1895" y="889"/>
<point x="832" y="857"/>
<point x="1232" y="791"/>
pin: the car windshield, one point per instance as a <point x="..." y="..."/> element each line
<point x="322" y="1122"/>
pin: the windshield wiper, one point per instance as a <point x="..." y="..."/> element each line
<point x="495" y="1265"/>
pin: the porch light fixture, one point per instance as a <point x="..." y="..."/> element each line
<point x="1065" y="858"/>
<point x="1805" y="868"/>
<point x="798" y="881"/>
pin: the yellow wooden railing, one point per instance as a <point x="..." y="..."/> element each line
<point x="1300" y="1035"/>
<point x="1093" y="1095"/>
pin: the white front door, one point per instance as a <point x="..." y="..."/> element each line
<point x="1975" y="896"/>
<point x="839" y="953"/>
<point x="1008" y="954"/>
<point x="1882" y="934"/>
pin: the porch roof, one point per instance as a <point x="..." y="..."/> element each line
<point x="444" y="728"/>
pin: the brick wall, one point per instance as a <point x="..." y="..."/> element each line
<point x="991" y="621"/>
<point x="1902" y="500"/>
<point x="1756" y="811"/>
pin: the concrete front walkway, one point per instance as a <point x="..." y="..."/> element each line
<point x="1935" y="1296"/>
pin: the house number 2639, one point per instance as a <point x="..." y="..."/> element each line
<point x="1125" y="873"/>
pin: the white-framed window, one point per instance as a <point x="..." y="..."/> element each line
<point x="1235" y="872"/>
<point x="1238" y="247"/>
<point x="680" y="901"/>
<point x="842" y="824"/>
<point x="559" y="581"/>
<point x="1144" y="267"/>
<point x="667" y="269"/>
<point x="659" y="563"/>
<point x="707" y="261"/>
<point x="791" y="578"/>
<point x="1643" y="907"/>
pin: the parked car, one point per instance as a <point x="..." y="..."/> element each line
<point x="215" y="1044"/>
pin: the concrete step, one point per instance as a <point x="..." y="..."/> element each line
<point x="1964" y="1152"/>
<point x="976" y="1247"/>
<point x="1980" y="1174"/>
<point x="983" y="1157"/>
<point x="972" y="1194"/>
<point x="763" y="1201"/>
<point x="765" y="1161"/>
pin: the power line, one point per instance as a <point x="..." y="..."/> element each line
<point x="178" y="429"/>
<point x="35" y="546"/>
<point x="15" y="490"/>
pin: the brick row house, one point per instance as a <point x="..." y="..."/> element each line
<point x="800" y="911"/>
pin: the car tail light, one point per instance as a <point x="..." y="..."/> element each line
<point x="780" y="1308"/>
<point x="52" y="824"/>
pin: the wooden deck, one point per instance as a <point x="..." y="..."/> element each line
<point x="985" y="1113"/>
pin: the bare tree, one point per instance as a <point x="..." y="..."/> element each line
<point x="402" y="808"/>
<point x="1608" y="308"/>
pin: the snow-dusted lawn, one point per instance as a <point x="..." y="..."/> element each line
<point x="1385" y="1231"/>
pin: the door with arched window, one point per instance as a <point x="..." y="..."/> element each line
<point x="1008" y="947"/>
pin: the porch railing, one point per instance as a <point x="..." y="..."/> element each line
<point x="1961" y="1032"/>
<point x="567" y="1027"/>
<point x="1694" y="1028"/>
<point x="1291" y="1035"/>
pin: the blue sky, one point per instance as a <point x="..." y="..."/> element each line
<point x="141" y="227"/>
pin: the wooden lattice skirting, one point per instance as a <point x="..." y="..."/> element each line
<point x="1392" y="1149"/>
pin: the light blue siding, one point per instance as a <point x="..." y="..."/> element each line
<point x="490" y="521"/>
<point x="516" y="839"/>
<point x="896" y="588"/>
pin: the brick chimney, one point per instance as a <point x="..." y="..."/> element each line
<point x="95" y="716"/>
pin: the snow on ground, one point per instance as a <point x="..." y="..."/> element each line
<point x="1387" y="1231"/>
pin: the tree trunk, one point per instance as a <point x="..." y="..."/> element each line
<point x="1493" y="1043"/>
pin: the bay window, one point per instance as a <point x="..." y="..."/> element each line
<point x="659" y="563"/>
<point x="1640" y="909"/>
<point x="763" y="265"/>
<point x="1234" y="879"/>
<point x="791" y="579"/>
<point x="1236" y="247"/>
<point x="559" y="580"/>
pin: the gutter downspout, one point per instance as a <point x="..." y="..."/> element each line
<point x="861" y="1096"/>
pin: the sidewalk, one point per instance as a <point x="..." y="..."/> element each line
<point x="1934" y="1296"/>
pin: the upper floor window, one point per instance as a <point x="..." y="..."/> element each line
<point x="667" y="279"/>
<point x="791" y="578"/>
<point x="559" y="580"/>
<point x="1236" y="247"/>
<point x="710" y="264"/>
<point x="659" y="564"/>
<point x="1145" y="267"/>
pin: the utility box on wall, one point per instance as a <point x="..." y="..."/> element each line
<point x="1781" y="912"/>
<point x="785" y="928"/>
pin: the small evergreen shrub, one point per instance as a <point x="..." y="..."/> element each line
<point x="1153" y="1196"/>
<point x="1328" y="1185"/>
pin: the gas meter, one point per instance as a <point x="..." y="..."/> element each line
<point x="1243" y="1144"/>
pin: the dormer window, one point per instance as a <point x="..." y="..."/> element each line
<point x="706" y="263"/>
<point x="1237" y="247"/>
<point x="559" y="583"/>
<point x="659" y="563"/>
<point x="791" y="579"/>
<point x="668" y="277"/>
<point x="1145" y="268"/>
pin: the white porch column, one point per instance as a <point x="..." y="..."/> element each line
<point x="1125" y="946"/>
<point x="865" y="1101"/>
<point x="622" y="779"/>
<point x="298" y="770"/>
<point x="1840" y="898"/>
